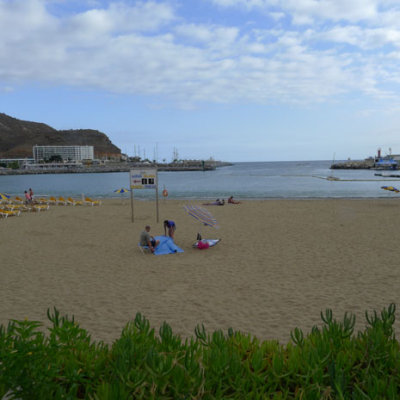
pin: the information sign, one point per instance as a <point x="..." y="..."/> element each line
<point x="143" y="179"/>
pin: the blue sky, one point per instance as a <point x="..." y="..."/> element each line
<point x="236" y="80"/>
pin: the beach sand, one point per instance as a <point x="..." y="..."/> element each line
<point x="280" y="263"/>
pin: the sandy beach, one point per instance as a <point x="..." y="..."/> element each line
<point x="280" y="262"/>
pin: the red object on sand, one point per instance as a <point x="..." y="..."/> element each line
<point x="202" y="245"/>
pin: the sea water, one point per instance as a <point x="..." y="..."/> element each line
<point x="250" y="180"/>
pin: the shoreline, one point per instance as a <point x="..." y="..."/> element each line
<point x="199" y="199"/>
<point x="280" y="263"/>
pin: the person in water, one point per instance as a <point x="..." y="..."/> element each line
<point x="171" y="226"/>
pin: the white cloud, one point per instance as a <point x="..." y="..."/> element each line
<point x="211" y="36"/>
<point x="149" y="49"/>
<point x="277" y="15"/>
<point x="120" y="17"/>
<point x="19" y="18"/>
<point x="364" y="38"/>
<point x="305" y="11"/>
<point x="7" y="89"/>
<point x="335" y="10"/>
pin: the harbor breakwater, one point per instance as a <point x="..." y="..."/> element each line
<point x="355" y="164"/>
<point x="116" y="167"/>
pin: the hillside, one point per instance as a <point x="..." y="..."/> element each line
<point x="17" y="138"/>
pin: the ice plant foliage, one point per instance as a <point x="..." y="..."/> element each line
<point x="330" y="362"/>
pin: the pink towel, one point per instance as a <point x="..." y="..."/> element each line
<point x="202" y="245"/>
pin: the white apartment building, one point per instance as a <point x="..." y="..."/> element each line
<point x="67" y="153"/>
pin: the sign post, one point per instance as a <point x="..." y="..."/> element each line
<point x="157" y="195"/>
<point x="141" y="178"/>
<point x="132" y="205"/>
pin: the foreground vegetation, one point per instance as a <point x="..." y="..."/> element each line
<point x="331" y="362"/>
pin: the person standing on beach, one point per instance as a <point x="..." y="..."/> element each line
<point x="28" y="199"/>
<point x="147" y="240"/>
<point x="31" y="194"/>
<point x="171" y="228"/>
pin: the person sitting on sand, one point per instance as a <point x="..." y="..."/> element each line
<point x="231" y="201"/>
<point x="147" y="240"/>
<point x="171" y="228"/>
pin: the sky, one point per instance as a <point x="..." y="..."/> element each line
<point x="236" y="80"/>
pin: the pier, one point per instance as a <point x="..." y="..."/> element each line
<point x="114" y="167"/>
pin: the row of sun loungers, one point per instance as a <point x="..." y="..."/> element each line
<point x="70" y="201"/>
<point x="13" y="207"/>
<point x="54" y="201"/>
<point x="22" y="207"/>
<point x="11" y="210"/>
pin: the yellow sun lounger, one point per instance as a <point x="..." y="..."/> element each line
<point x="10" y="213"/>
<point x="40" y="207"/>
<point x="42" y="200"/>
<point x="91" y="202"/>
<point x="73" y="202"/>
<point x="18" y="200"/>
<point x="16" y="207"/>
<point x="62" y="201"/>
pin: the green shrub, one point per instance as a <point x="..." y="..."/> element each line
<point x="13" y="165"/>
<point x="331" y="362"/>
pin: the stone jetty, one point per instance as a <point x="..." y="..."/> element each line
<point x="369" y="163"/>
<point x="115" y="167"/>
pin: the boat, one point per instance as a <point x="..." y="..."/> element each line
<point x="331" y="177"/>
<point x="383" y="175"/>
<point x="385" y="163"/>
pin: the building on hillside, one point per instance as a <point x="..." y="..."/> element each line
<point x="67" y="153"/>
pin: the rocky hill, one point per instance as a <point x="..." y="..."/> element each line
<point x="17" y="138"/>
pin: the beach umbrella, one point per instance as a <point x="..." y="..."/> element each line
<point x="122" y="191"/>
<point x="202" y="215"/>
<point x="4" y="197"/>
<point x="206" y="218"/>
<point x="390" y="188"/>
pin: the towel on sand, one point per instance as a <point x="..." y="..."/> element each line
<point x="166" y="246"/>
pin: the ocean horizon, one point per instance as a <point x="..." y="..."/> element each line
<point x="243" y="180"/>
